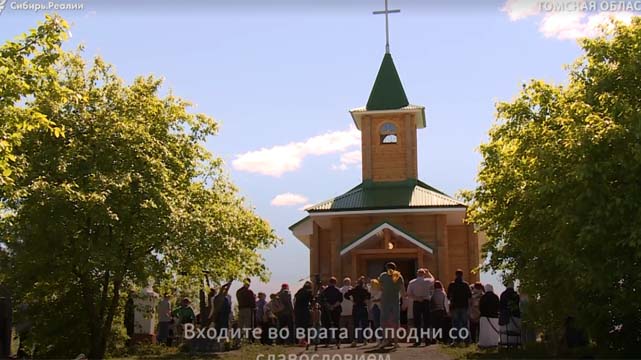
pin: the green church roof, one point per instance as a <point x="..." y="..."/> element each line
<point x="388" y="195"/>
<point x="387" y="93"/>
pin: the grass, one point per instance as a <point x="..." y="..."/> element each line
<point x="249" y="352"/>
<point x="246" y="352"/>
<point x="532" y="351"/>
<point x="474" y="352"/>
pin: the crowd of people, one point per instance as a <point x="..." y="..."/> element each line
<point x="460" y="314"/>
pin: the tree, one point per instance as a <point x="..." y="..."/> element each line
<point x="26" y="68"/>
<point x="558" y="192"/>
<point x="128" y="193"/>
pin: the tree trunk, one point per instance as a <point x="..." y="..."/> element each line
<point x="90" y="307"/>
<point x="103" y="329"/>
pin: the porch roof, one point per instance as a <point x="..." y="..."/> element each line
<point x="395" y="229"/>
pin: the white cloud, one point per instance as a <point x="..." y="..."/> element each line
<point x="274" y="161"/>
<point x="288" y="199"/>
<point x="574" y="25"/>
<point x="347" y="159"/>
<point x="333" y="142"/>
<point x="565" y="19"/>
<point x="279" y="159"/>
<point x="521" y="9"/>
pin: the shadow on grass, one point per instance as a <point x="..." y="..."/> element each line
<point x="532" y="351"/>
<point x="246" y="351"/>
<point x="510" y="353"/>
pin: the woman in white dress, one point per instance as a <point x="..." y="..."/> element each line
<point x="510" y="316"/>
<point x="489" y="321"/>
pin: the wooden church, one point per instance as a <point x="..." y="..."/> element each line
<point x="391" y="215"/>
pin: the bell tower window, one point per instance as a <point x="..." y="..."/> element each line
<point x="388" y="133"/>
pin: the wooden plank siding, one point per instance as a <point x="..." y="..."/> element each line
<point x="389" y="162"/>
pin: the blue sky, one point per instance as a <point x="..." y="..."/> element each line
<point x="283" y="74"/>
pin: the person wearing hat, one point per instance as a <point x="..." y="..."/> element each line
<point x="286" y="316"/>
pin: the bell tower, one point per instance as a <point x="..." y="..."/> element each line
<point x="388" y="125"/>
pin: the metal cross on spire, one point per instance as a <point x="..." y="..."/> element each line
<point x="386" y="12"/>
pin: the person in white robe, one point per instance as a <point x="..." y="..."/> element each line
<point x="489" y="321"/>
<point x="510" y="317"/>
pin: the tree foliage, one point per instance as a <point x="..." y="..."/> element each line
<point x="128" y="193"/>
<point x="559" y="194"/>
<point x="26" y="71"/>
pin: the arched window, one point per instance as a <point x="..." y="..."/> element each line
<point x="388" y="133"/>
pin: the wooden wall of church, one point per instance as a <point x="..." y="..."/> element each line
<point x="324" y="254"/>
<point x="389" y="162"/>
<point x="463" y="252"/>
<point x="346" y="229"/>
<point x="455" y="246"/>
